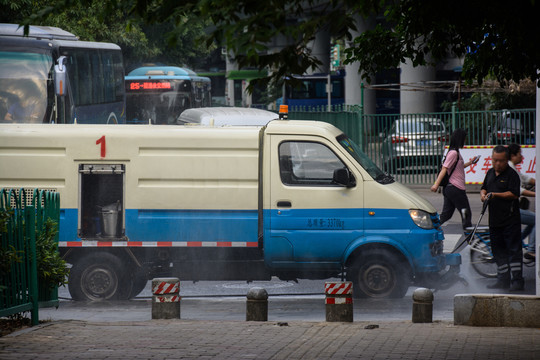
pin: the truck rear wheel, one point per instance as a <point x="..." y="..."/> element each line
<point x="99" y="277"/>
<point x="379" y="274"/>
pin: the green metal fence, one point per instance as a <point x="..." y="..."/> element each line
<point x="347" y="118"/>
<point x="26" y="211"/>
<point x="411" y="146"/>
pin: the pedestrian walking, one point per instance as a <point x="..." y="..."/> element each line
<point x="501" y="187"/>
<point x="455" y="196"/>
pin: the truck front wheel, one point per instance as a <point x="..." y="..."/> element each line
<point x="99" y="277"/>
<point x="379" y="274"/>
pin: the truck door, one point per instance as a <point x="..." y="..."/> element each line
<point x="312" y="219"/>
<point x="101" y="201"/>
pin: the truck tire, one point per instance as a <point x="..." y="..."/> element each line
<point x="380" y="274"/>
<point x="139" y="280"/>
<point x="99" y="277"/>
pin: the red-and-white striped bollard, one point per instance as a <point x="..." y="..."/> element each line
<point x="166" y="298"/>
<point x="339" y="303"/>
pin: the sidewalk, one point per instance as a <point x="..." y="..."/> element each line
<point x="100" y="336"/>
<point x="191" y="339"/>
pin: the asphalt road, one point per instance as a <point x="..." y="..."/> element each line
<point x="225" y="300"/>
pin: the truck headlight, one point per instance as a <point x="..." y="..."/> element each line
<point x="421" y="218"/>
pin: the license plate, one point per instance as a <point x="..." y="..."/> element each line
<point x="423" y="142"/>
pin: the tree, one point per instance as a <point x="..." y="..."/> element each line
<point x="496" y="37"/>
<point x="173" y="43"/>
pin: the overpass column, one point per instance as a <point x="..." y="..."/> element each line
<point x="416" y="101"/>
<point x="230" y="64"/>
<point x="353" y="78"/>
<point x="320" y="48"/>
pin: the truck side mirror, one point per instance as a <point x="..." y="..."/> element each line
<point x="60" y="77"/>
<point x="343" y="177"/>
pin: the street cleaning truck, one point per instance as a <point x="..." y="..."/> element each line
<point x="292" y="199"/>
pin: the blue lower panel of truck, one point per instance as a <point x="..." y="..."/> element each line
<point x="177" y="226"/>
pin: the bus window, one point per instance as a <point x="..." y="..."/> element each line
<point x="310" y="90"/>
<point x="95" y="78"/>
<point x="92" y="93"/>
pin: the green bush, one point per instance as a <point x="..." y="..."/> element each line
<point x="51" y="268"/>
<point x="8" y="255"/>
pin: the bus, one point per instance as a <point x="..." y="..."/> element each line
<point x="310" y="90"/>
<point x="159" y="94"/>
<point x="50" y="76"/>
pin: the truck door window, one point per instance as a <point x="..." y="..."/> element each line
<point x="307" y="163"/>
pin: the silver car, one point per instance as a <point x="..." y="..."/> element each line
<point x="414" y="142"/>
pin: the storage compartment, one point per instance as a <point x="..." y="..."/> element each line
<point x="101" y="200"/>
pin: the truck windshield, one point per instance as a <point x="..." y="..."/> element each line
<point x="368" y="165"/>
<point x="23" y="86"/>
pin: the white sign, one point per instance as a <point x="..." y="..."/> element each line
<point x="475" y="173"/>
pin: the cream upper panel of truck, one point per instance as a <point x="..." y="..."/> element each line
<point x="165" y="167"/>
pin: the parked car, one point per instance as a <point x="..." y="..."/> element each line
<point x="414" y="142"/>
<point x="509" y="128"/>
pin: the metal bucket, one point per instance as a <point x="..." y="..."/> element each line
<point x="109" y="220"/>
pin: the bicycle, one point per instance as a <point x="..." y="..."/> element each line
<point x="481" y="256"/>
<point x="482" y="259"/>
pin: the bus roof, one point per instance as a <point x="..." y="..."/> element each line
<point x="40" y="32"/>
<point x="57" y="36"/>
<point x="160" y="72"/>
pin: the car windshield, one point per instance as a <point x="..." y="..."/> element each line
<point x="366" y="163"/>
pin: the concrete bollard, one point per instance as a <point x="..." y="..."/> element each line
<point x="339" y="303"/>
<point x="166" y="298"/>
<point x="257" y="305"/>
<point x="422" y="311"/>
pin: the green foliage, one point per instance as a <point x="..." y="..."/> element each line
<point x="496" y="38"/>
<point x="494" y="101"/>
<point x="11" y="10"/>
<point x="5" y="215"/>
<point x="52" y="270"/>
<point x="175" y="40"/>
<point x="8" y="255"/>
<point x="490" y="35"/>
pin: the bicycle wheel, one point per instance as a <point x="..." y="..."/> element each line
<point x="482" y="259"/>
